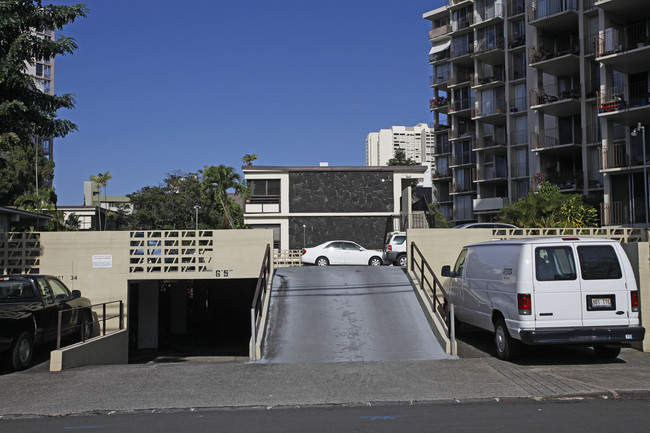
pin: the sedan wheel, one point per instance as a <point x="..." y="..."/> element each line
<point x="322" y="261"/>
<point x="21" y="355"/>
<point x="375" y="261"/>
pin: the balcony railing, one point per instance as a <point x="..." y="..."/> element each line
<point x="440" y="102"/>
<point x="440" y="56"/>
<point x="488" y="13"/>
<point x="612" y="214"/>
<point x="553" y="137"/>
<point x="441" y="149"/>
<point x="488" y="108"/>
<point x="615" y="156"/>
<point x="516" y="40"/>
<point x="462" y="23"/>
<point x="476" y="80"/>
<point x="491" y="173"/>
<point x="551" y="93"/>
<point x="459" y="105"/>
<point x="440" y="79"/>
<point x="488" y="141"/>
<point x="488" y="44"/>
<point x="612" y="41"/>
<point x="620" y="98"/>
<point x="465" y="158"/>
<point x="439" y="31"/>
<point x="460" y="50"/>
<point x="541" y="9"/>
<point x="519" y="137"/>
<point x="516" y="7"/>
<point x="518" y="104"/>
<point x="555" y="48"/>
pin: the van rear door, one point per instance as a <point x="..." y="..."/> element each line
<point x="557" y="300"/>
<point x="605" y="295"/>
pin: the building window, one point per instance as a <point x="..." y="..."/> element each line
<point x="265" y="191"/>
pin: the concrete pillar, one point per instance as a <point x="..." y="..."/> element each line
<point x="148" y="293"/>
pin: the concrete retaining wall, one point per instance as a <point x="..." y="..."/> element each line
<point x="104" y="350"/>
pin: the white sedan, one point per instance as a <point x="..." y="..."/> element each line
<point x="341" y="253"/>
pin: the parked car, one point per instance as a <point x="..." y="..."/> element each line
<point x="486" y="226"/>
<point x="395" y="249"/>
<point x="539" y="291"/>
<point x="29" y="313"/>
<point x="341" y="253"/>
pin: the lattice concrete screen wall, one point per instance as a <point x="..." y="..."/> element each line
<point x="20" y="253"/>
<point x="171" y="251"/>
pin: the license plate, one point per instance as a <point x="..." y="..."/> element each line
<point x="603" y="302"/>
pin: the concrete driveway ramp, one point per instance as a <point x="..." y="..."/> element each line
<point x="347" y="313"/>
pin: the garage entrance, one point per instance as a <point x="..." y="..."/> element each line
<point x="171" y="320"/>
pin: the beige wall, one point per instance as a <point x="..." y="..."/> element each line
<point x="99" y="263"/>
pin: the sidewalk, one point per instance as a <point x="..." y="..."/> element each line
<point x="186" y="385"/>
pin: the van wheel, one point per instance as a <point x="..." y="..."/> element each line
<point x="22" y="351"/>
<point x="402" y="260"/>
<point x="507" y="348"/>
<point x="607" y="352"/>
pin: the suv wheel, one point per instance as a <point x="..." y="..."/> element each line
<point x="402" y="260"/>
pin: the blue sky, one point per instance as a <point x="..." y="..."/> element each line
<point x="166" y="85"/>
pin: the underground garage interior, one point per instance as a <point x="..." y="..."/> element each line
<point x="173" y="320"/>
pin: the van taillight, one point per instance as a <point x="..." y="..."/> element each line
<point x="634" y="298"/>
<point x="523" y="304"/>
<point x="304" y="252"/>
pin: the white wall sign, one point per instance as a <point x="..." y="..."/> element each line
<point x="104" y="261"/>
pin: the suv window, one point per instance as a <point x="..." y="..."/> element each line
<point x="554" y="263"/>
<point x="398" y="240"/>
<point x="599" y="262"/>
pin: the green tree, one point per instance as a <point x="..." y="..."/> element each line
<point x="25" y="111"/>
<point x="216" y="184"/>
<point x="439" y="216"/>
<point x="400" y="158"/>
<point x="548" y="207"/>
<point x="249" y="158"/>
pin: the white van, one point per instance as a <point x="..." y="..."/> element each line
<point x="547" y="291"/>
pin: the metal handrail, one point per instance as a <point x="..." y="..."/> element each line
<point x="260" y="292"/>
<point x="103" y="321"/>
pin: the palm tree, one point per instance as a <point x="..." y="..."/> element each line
<point x="216" y="183"/>
<point x="102" y="180"/>
<point x="249" y="158"/>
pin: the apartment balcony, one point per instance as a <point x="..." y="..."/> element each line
<point x="462" y="54"/>
<point x="628" y="105"/>
<point x="516" y="41"/>
<point x="460" y="107"/>
<point x="441" y="175"/>
<point x="625" y="9"/>
<point x="488" y="15"/>
<point x="559" y="57"/>
<point x="613" y="214"/>
<point x="556" y="138"/>
<point x="439" y="105"/>
<point x="464" y="187"/>
<point x="440" y="81"/>
<point x="462" y="134"/>
<point x="439" y="32"/>
<point x="462" y="25"/>
<point x="519" y="170"/>
<point x="516" y="7"/>
<point x="459" y="80"/>
<point x="489" y="50"/>
<point x="455" y="4"/>
<point x="567" y="182"/>
<point x="490" y="142"/>
<point x="627" y="49"/>
<point x="518" y="105"/>
<point x="439" y="54"/>
<point x="551" y="100"/>
<point x="493" y="111"/>
<point x="492" y="204"/>
<point x="595" y="180"/>
<point x="490" y="173"/>
<point x="482" y="83"/>
<point x="618" y="158"/>
<point x="554" y="16"/>
<point x="442" y="149"/>
<point x="464" y="159"/>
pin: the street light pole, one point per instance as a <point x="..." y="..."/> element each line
<point x="196" y="208"/>
<point x="635" y="132"/>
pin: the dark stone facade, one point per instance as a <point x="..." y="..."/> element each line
<point x="367" y="231"/>
<point x="340" y="191"/>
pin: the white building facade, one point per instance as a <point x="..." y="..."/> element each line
<point x="417" y="142"/>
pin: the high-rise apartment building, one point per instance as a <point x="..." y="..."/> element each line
<point x="43" y="72"/>
<point x="526" y="91"/>
<point x="417" y="142"/>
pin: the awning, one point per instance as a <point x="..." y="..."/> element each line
<point x="440" y="46"/>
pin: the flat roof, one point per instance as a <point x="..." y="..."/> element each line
<point x="394" y="168"/>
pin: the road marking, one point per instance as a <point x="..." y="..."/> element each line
<point x="83" y="426"/>
<point x="374" y="418"/>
